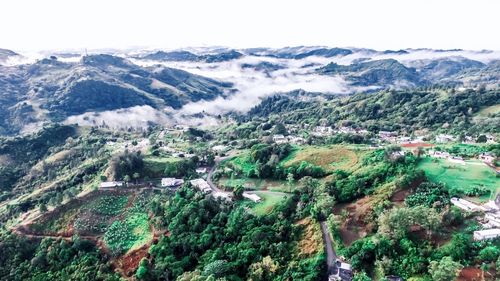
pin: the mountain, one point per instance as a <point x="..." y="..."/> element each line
<point x="6" y="54"/>
<point x="171" y="56"/>
<point x="52" y="90"/>
<point x="383" y="73"/>
<point x="188" y="56"/>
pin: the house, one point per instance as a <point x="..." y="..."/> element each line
<point x="279" y="139"/>
<point x="487" y="157"/>
<point x="439" y="154"/>
<point x="219" y="148"/>
<point x="456" y="159"/>
<point x="493" y="220"/>
<point x="466" y="205"/>
<point x="201" y="170"/>
<point x="442" y="138"/>
<point x="111" y="184"/>
<point x="252" y="196"/>
<point x="486" y="234"/>
<point x="171" y="182"/>
<point x="201" y="185"/>
<point x="490" y="139"/>
<point x="322" y="131"/>
<point x="296" y="140"/>
<point x="343" y="272"/>
<point x="223" y="195"/>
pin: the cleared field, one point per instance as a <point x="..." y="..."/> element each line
<point x="155" y="166"/>
<point x="330" y="158"/>
<point x="489" y="110"/>
<point x="269" y="200"/>
<point x="461" y="177"/>
<point x="256" y="184"/>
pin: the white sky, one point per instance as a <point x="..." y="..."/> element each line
<point x="30" y="25"/>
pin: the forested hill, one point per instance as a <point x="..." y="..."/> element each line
<point x="435" y="109"/>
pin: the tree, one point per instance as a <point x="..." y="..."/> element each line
<point x="489" y="254"/>
<point x="482" y="139"/>
<point x="238" y="192"/>
<point x="444" y="270"/>
<point x="263" y="270"/>
<point x="43" y="208"/>
<point x="290" y="179"/>
<point x="136" y="176"/>
<point x="126" y="178"/>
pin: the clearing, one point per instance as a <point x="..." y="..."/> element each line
<point x="330" y="158"/>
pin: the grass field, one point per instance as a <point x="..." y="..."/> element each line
<point x="268" y="201"/>
<point x="243" y="162"/>
<point x="484" y="112"/>
<point x="330" y="158"/>
<point x="461" y="177"/>
<point x="256" y="184"/>
<point x="155" y="166"/>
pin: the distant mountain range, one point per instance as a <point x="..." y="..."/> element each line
<point x="63" y="85"/>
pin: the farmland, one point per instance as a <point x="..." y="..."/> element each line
<point x="461" y="178"/>
<point x="119" y="216"/>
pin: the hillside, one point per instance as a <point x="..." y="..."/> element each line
<point x="51" y="90"/>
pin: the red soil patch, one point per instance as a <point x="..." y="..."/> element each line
<point x="417" y="144"/>
<point x="127" y="265"/>
<point x="472" y="274"/>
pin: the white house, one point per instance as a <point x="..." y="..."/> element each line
<point x="457" y="159"/>
<point x="171" y="182"/>
<point x="466" y="205"/>
<point x="279" y="139"/>
<point x="219" y="148"/>
<point x="223" y="195"/>
<point x="110" y="184"/>
<point x="252" y="196"/>
<point x="439" y="154"/>
<point x="487" y="157"/>
<point x="201" y="170"/>
<point x="202" y="185"/>
<point x="486" y="234"/>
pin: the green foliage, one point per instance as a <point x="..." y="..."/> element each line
<point x="428" y="194"/>
<point x="444" y="270"/>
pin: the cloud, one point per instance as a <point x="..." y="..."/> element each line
<point x="253" y="85"/>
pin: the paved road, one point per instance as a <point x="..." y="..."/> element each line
<point x="331" y="257"/>
<point x="211" y="171"/>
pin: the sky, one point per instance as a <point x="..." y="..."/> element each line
<point x="34" y="25"/>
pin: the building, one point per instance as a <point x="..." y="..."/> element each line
<point x="201" y="185"/>
<point x="457" y="159"/>
<point x="252" y="196"/>
<point x="466" y="205"/>
<point x="279" y="139"/>
<point x="439" y="154"/>
<point x="219" y="148"/>
<point x="486" y="234"/>
<point x="343" y="272"/>
<point x="171" y="182"/>
<point x="223" y="195"/>
<point x="487" y="157"/>
<point x="111" y="184"/>
<point x="393" y="278"/>
<point x="201" y="170"/>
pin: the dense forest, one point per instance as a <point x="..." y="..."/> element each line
<point x="434" y="109"/>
